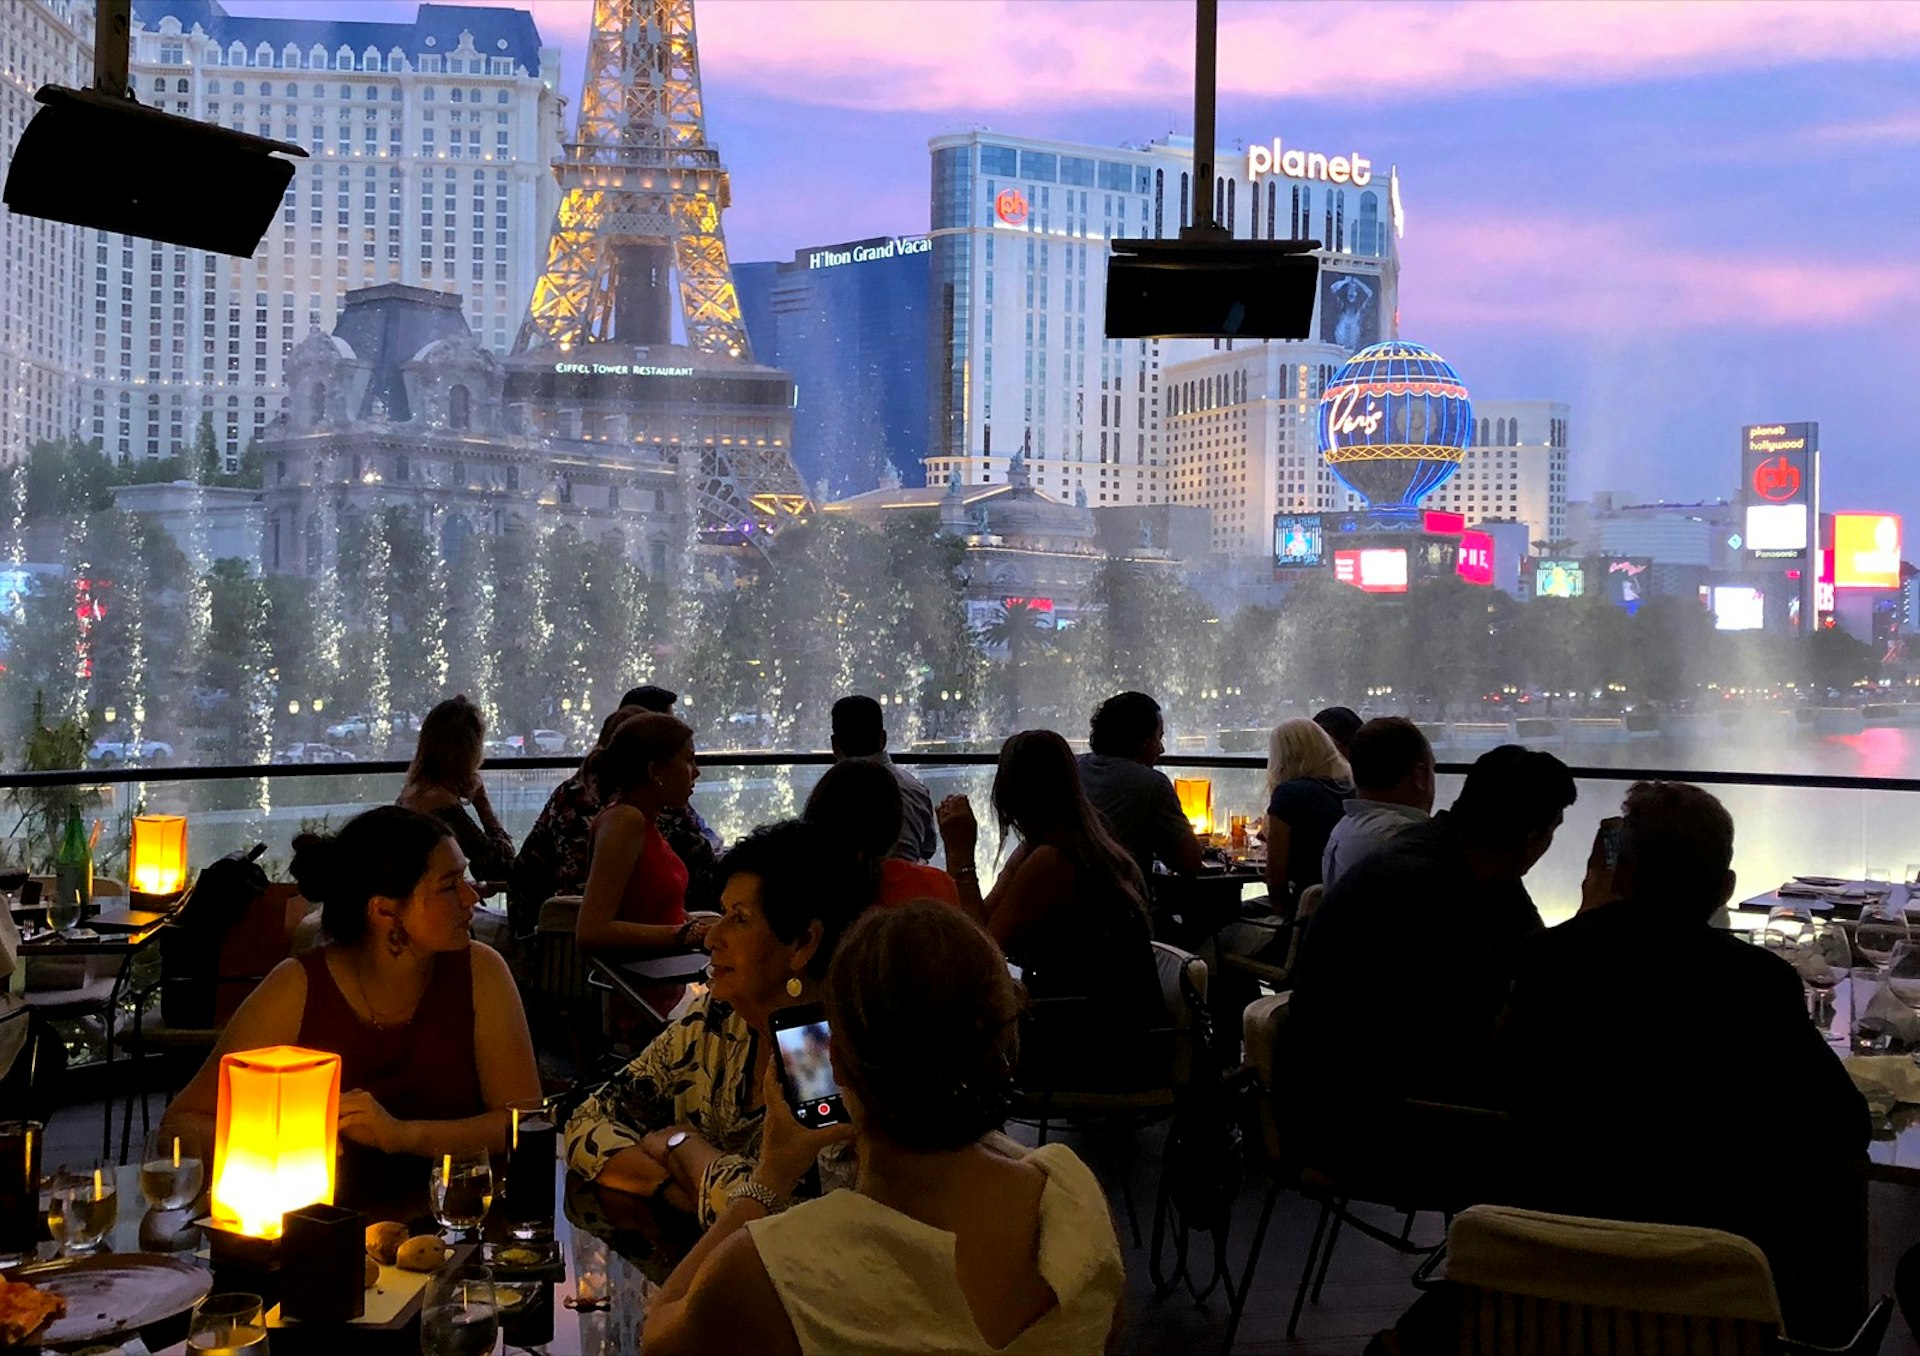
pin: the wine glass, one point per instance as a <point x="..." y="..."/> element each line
<point x="1880" y="929"/>
<point x="83" y="1207"/>
<point x="460" y="1313"/>
<point x="461" y="1190"/>
<point x="225" y="1325"/>
<point x="171" y="1168"/>
<point x="1903" y="978"/>
<point x="1823" y="957"/>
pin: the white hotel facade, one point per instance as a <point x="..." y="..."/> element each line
<point x="430" y="150"/>
<point x="1019" y="356"/>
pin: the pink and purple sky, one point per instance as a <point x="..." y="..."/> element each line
<point x="1678" y="216"/>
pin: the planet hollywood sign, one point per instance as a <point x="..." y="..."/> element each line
<point x="1353" y="169"/>
<point x="869" y="251"/>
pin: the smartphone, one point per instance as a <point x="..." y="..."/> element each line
<point x="1610" y="841"/>
<point x="805" y="1066"/>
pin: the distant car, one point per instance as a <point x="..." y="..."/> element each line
<point x="544" y="741"/>
<point x="316" y="753"/>
<point x="502" y="748"/>
<point x="353" y="727"/>
<point x="108" y="752"/>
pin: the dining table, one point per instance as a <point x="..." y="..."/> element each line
<point x="606" y="1256"/>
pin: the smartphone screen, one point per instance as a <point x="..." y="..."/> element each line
<point x="806" y="1071"/>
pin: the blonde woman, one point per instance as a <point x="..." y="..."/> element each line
<point x="1308" y="784"/>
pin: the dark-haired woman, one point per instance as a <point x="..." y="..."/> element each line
<point x="682" y="1121"/>
<point x="861" y="807"/>
<point x="431" y="1036"/>
<point x="444" y="779"/>
<point x="953" y="1238"/>
<point x="1069" y="905"/>
<point x="636" y="895"/>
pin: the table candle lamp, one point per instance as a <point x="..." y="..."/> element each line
<point x="274" y="1141"/>
<point x="157" y="860"/>
<point x="1196" y="801"/>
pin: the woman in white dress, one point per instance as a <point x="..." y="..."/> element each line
<point x="954" y="1238"/>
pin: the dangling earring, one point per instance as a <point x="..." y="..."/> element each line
<point x="396" y="939"/>
<point x="793" y="987"/>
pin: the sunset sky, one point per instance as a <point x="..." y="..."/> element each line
<point x="1677" y="217"/>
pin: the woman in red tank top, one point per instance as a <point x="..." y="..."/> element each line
<point x="636" y="895"/>
<point x="432" y="1039"/>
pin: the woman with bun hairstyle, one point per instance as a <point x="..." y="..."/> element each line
<point x="953" y="1238"/>
<point x="445" y="778"/>
<point x="431" y="1036"/>
<point x="636" y="895"/>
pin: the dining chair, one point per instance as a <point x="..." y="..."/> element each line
<point x="560" y="986"/>
<point x="1060" y="1081"/>
<point x="1529" y="1284"/>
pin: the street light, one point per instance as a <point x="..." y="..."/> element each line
<point x="293" y="708"/>
<point x="111" y="715"/>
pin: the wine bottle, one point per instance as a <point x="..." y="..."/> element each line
<point x="73" y="867"/>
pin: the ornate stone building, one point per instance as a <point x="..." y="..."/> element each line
<point x="403" y="406"/>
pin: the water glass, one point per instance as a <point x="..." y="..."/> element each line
<point x="460" y="1313"/>
<point x="172" y="1168"/>
<point x="1911" y="873"/>
<point x="83" y="1206"/>
<point x="1903" y="978"/>
<point x="1867" y="1030"/>
<point x="228" y="1325"/>
<point x="460" y="1190"/>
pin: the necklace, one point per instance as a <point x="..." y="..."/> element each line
<point x="380" y="1023"/>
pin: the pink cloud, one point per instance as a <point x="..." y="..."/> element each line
<point x="1572" y="275"/>
<point x="983" y="56"/>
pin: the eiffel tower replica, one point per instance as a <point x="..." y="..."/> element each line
<point x="641" y="196"/>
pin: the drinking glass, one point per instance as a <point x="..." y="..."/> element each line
<point x="461" y="1190"/>
<point x="1903" y="978"/>
<point x="227" y="1325"/>
<point x="84" y="1204"/>
<point x="171" y="1168"/>
<point x="1823" y="958"/>
<point x="1880" y="874"/>
<point x="460" y="1314"/>
<point x="1911" y="873"/>
<point x="1880" y="929"/>
<point x="63" y="911"/>
<point x="20" y="1143"/>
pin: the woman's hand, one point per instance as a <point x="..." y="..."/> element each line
<point x="476" y="790"/>
<point x="959" y="831"/>
<point x="787" y="1148"/>
<point x="364" y="1121"/>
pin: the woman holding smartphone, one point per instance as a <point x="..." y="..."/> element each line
<point x="683" y="1121"/>
<point x="960" y="1239"/>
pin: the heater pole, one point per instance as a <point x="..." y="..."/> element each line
<point x="112" y="36"/>
<point x="1205" y="53"/>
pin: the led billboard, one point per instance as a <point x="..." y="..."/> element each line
<point x="1866" y="550"/>
<point x="1299" y="539"/>
<point x="1476" y="558"/>
<point x="1559" y="579"/>
<point x="1628" y="581"/>
<point x="1737" y="607"/>
<point x="1777" y="528"/>
<point x="1778" y="463"/>
<point x="1374" y="570"/>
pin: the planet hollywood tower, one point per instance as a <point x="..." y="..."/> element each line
<point x="637" y="243"/>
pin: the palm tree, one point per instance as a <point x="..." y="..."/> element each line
<point x="1018" y="627"/>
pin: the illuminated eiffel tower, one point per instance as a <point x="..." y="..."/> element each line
<point x="641" y="195"/>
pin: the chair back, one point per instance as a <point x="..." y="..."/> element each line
<point x="1183" y="988"/>
<point x="1309" y="902"/>
<point x="1538" y="1283"/>
<point x="560" y="971"/>
<point x="1261" y="1028"/>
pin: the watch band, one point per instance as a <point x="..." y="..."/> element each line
<point x="753" y="1191"/>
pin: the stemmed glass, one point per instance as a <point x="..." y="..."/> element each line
<point x="461" y="1191"/>
<point x="460" y="1314"/>
<point x="1816" y="949"/>
<point x="1903" y="978"/>
<point x="1880" y="929"/>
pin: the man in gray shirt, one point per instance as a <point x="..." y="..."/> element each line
<point x="1136" y="802"/>
<point x="1393" y="790"/>
<point x="860" y="731"/>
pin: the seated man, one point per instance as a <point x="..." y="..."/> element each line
<point x="1392" y="791"/>
<point x="860" y="732"/>
<point x="1404" y="968"/>
<point x="1660" y="1069"/>
<point x="1137" y="802"/>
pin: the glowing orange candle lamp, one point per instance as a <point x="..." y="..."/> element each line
<point x="274" y="1144"/>
<point x="157" y="861"/>
<point x="1196" y="801"/>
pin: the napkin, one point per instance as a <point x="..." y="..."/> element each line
<point x="1887" y="1013"/>
<point x="1885" y="1080"/>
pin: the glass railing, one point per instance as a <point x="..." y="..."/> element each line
<point x="1785" y="825"/>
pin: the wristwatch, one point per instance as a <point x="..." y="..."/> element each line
<point x="674" y="1141"/>
<point x="753" y="1191"/>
